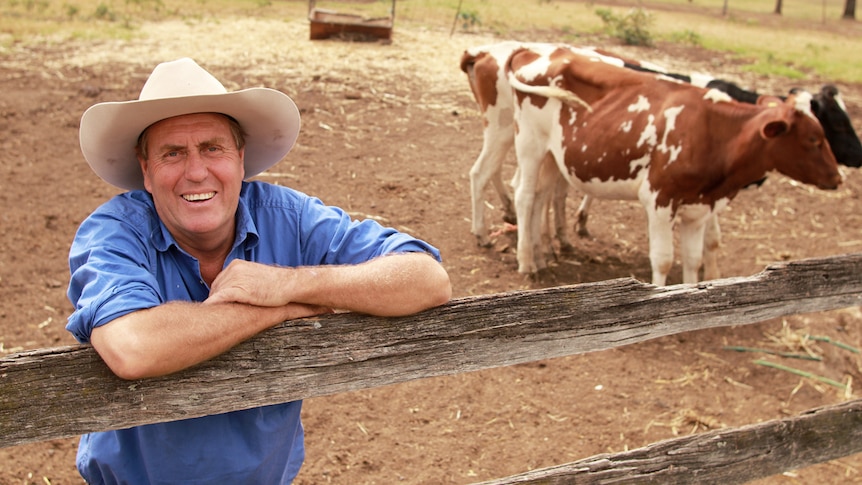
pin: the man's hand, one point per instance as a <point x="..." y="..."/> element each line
<point x="251" y="283"/>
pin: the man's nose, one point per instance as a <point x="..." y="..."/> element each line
<point x="196" y="167"/>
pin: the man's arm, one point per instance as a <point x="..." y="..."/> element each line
<point x="392" y="285"/>
<point x="176" y="335"/>
<point x="247" y="298"/>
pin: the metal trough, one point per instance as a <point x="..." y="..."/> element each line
<point x="327" y="23"/>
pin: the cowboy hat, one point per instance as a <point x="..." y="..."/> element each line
<point x="109" y="131"/>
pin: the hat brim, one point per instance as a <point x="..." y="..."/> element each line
<point x="109" y="131"/>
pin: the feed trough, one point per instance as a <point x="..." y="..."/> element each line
<point x="326" y="23"/>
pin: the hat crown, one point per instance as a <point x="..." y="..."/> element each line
<point x="179" y="78"/>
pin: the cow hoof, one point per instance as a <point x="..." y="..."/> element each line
<point x="531" y="277"/>
<point x="528" y="270"/>
<point x="483" y="242"/>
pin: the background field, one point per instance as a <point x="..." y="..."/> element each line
<point x="820" y="40"/>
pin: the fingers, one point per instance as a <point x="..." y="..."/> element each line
<point x="229" y="295"/>
<point x="234" y="275"/>
<point x="250" y="283"/>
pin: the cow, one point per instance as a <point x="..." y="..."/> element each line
<point x="495" y="102"/>
<point x="683" y="151"/>
<point x="827" y="106"/>
<point x="484" y="68"/>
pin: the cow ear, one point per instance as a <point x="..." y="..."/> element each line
<point x="774" y="129"/>
<point x="829" y="91"/>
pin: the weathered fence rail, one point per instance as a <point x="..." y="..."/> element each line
<point x="725" y="456"/>
<point x="53" y="393"/>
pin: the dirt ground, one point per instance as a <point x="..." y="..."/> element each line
<point x="390" y="131"/>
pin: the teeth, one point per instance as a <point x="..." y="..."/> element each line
<point x="196" y="197"/>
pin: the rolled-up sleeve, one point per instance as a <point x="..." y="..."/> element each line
<point x="110" y="271"/>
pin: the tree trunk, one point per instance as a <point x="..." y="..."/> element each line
<point x="724" y="8"/>
<point x="777" y="7"/>
<point x="849" y="10"/>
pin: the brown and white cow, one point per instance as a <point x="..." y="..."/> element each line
<point x="484" y="66"/>
<point x="826" y="105"/>
<point x="682" y="151"/>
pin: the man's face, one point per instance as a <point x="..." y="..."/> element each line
<point x="194" y="172"/>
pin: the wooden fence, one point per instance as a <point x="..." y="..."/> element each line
<point x="62" y="392"/>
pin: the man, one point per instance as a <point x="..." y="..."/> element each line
<point x="193" y="260"/>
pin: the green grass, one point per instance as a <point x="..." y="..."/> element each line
<point x="806" y="38"/>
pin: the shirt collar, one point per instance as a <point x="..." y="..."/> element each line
<point x="246" y="230"/>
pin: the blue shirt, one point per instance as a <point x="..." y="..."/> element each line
<point x="124" y="259"/>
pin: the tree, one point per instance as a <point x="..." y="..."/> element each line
<point x="777" y="7"/>
<point x="849" y="10"/>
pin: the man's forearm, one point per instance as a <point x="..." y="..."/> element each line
<point x="176" y="335"/>
<point x="399" y="284"/>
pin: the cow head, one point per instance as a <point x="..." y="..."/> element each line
<point x="802" y="151"/>
<point x="829" y="108"/>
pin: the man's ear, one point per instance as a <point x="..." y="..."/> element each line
<point x="143" y="164"/>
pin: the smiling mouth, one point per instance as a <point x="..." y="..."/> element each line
<point x="199" y="197"/>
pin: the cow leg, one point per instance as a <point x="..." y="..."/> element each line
<point x="488" y="167"/>
<point x="525" y="199"/>
<point x="660" y="226"/>
<point x="582" y="215"/>
<point x="505" y="200"/>
<point x="548" y="228"/>
<point x="553" y="213"/>
<point x="691" y="238"/>
<point x="528" y="205"/>
<point x="508" y="207"/>
<point x="711" y="243"/>
<point x="541" y="226"/>
<point x="550" y="194"/>
<point x="560" y="192"/>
